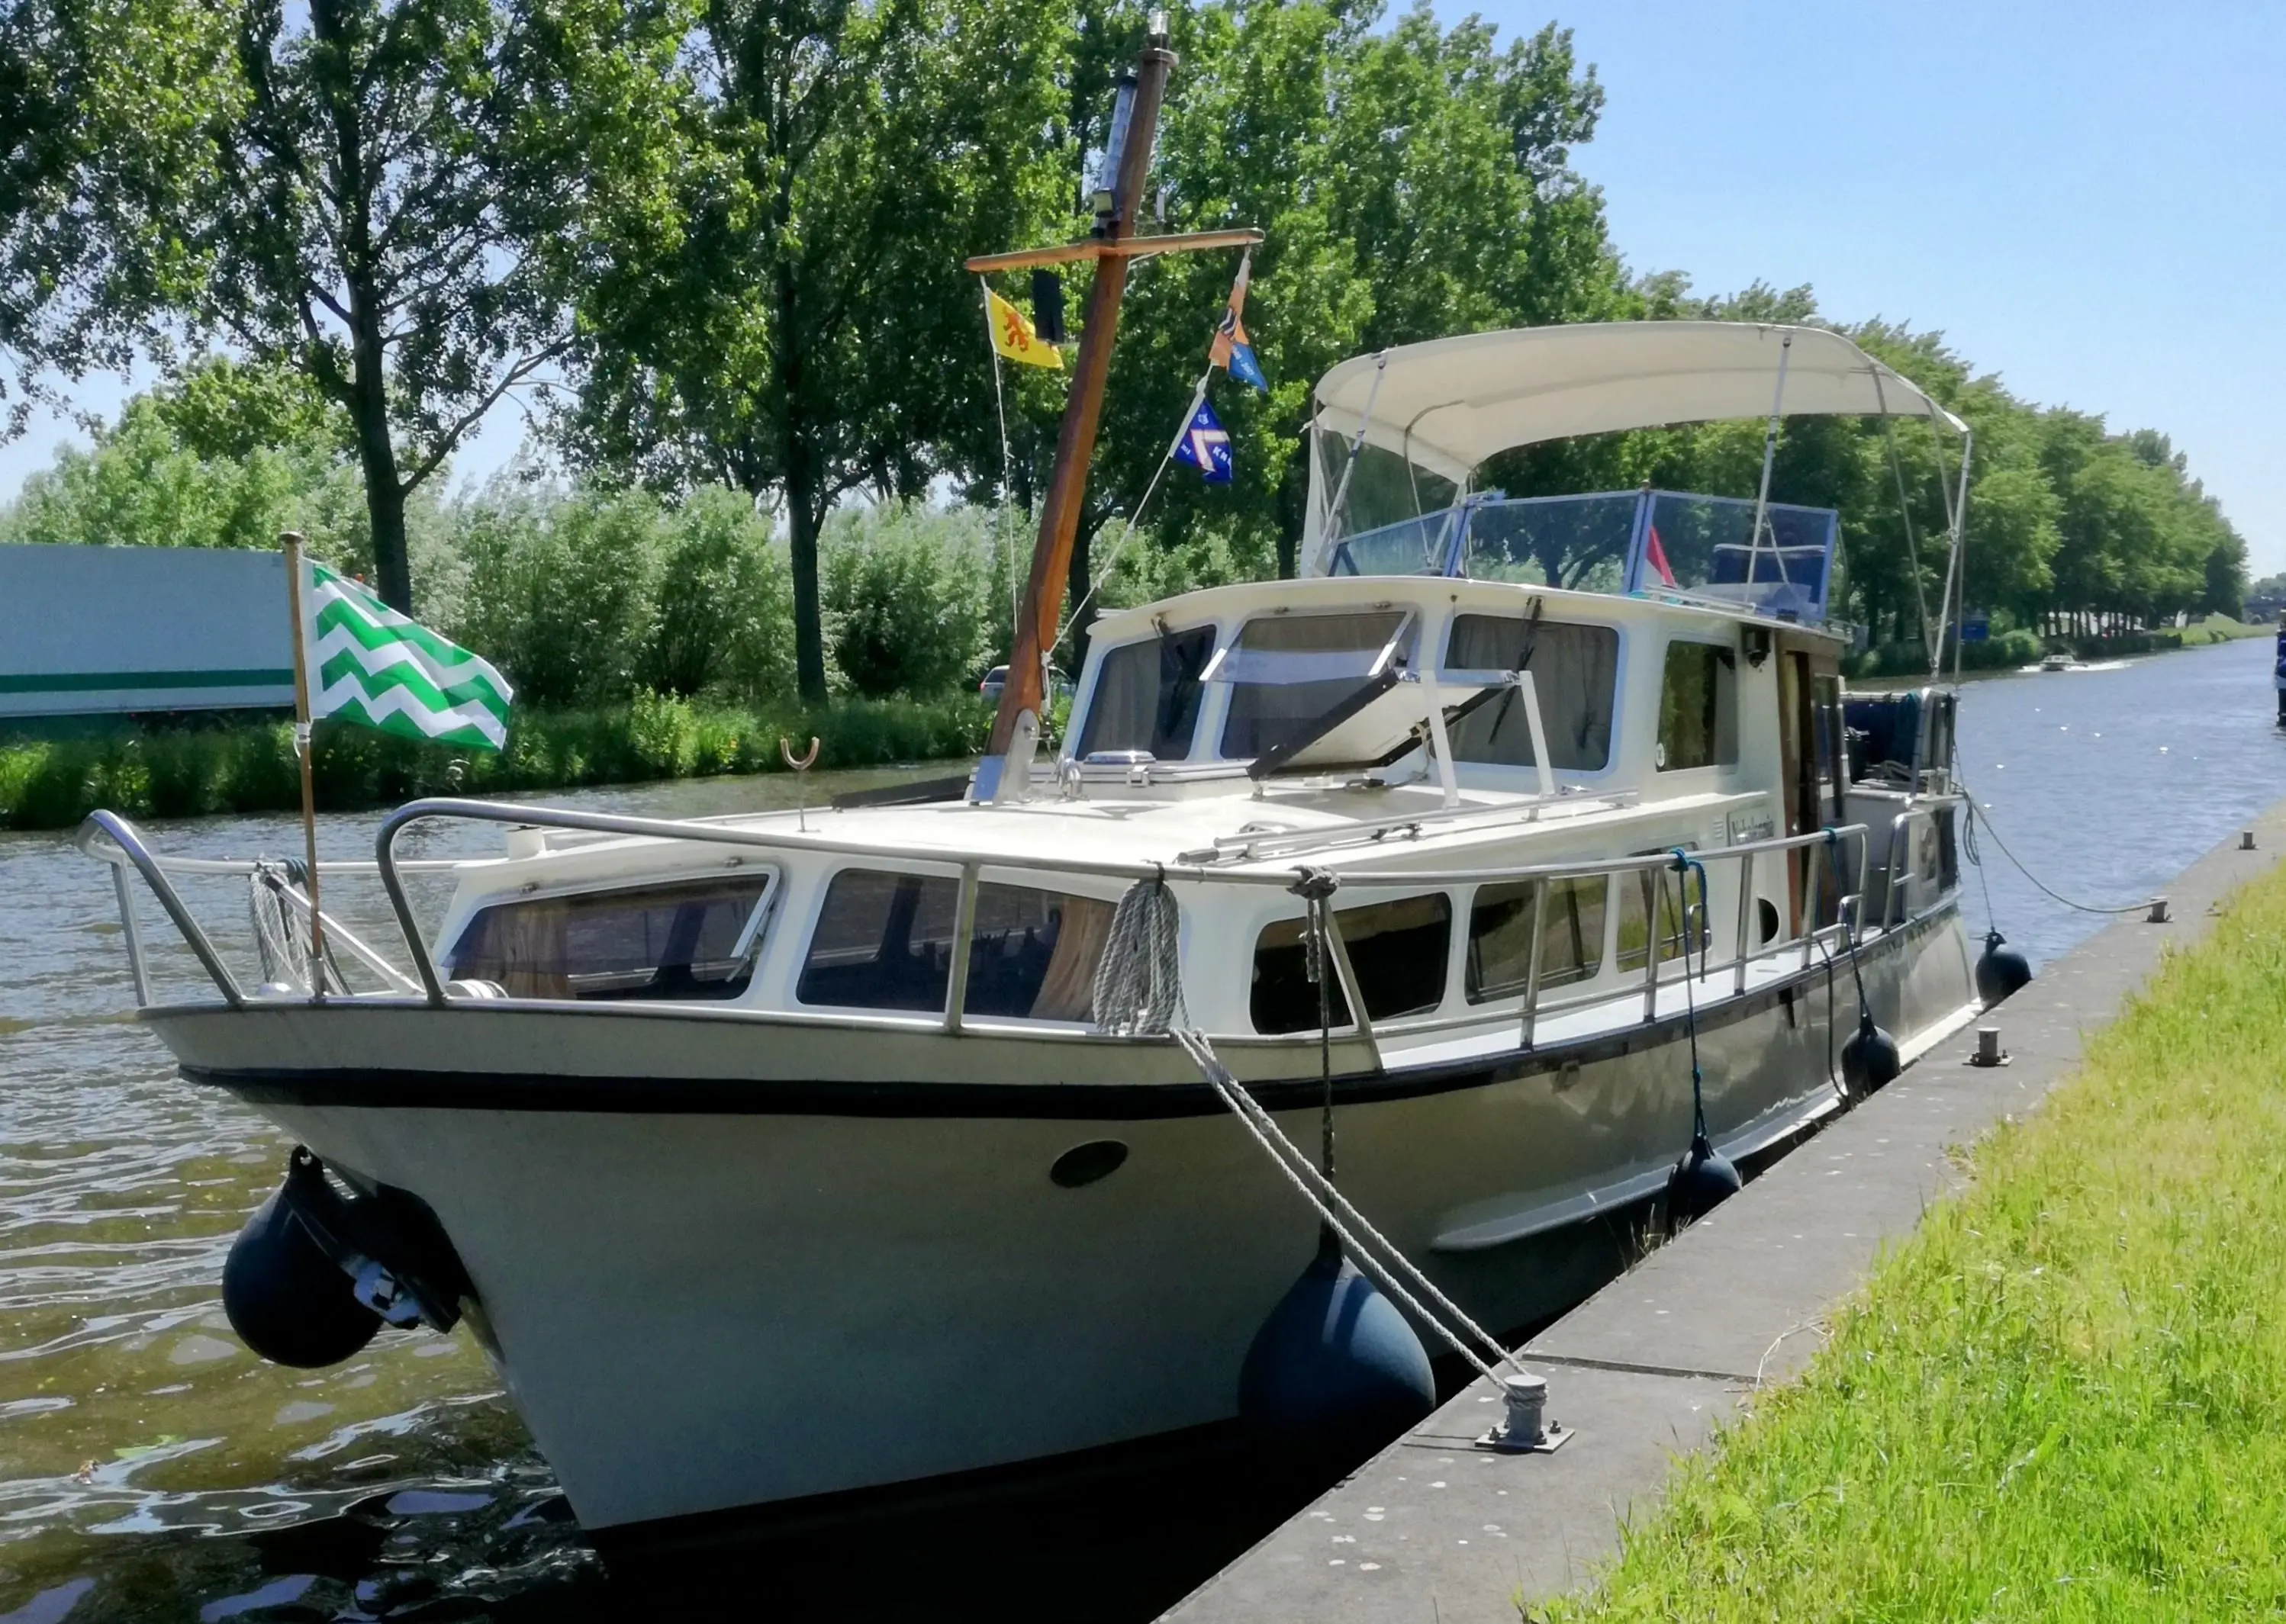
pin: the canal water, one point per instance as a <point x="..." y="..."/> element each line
<point x="151" y="1469"/>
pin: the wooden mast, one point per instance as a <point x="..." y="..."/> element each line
<point x="1006" y="771"/>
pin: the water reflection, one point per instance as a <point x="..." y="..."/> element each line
<point x="151" y="1467"/>
<point x="134" y="1427"/>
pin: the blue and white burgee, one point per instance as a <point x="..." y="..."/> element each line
<point x="1205" y="445"/>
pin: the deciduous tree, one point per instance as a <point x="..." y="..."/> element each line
<point x="798" y="325"/>
<point x="390" y="196"/>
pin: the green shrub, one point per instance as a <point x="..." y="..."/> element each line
<point x="251" y="767"/>
<point x="560" y="588"/>
<point x="904" y="595"/>
<point x="721" y="616"/>
<point x="662" y="735"/>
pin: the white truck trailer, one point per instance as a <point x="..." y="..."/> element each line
<point x="89" y="631"/>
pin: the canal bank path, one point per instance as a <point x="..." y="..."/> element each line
<point x="1436" y="1529"/>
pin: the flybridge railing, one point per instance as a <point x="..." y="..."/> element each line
<point x="1699" y="548"/>
<point x="114" y="840"/>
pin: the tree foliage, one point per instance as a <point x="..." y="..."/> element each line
<point x="787" y="326"/>
<point x="226" y="456"/>
<point x="904" y="598"/>
<point x="388" y="197"/>
<point x="1411" y="181"/>
<point x="735" y="226"/>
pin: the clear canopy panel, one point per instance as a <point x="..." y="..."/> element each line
<point x="1701" y="547"/>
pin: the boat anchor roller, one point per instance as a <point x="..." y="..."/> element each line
<point x="316" y="1274"/>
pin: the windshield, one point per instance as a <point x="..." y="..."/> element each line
<point x="1287" y="671"/>
<point x="1147" y="696"/>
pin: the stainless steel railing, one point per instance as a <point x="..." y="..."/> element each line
<point x="112" y="839"/>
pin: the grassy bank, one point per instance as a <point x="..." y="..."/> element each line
<point x="2217" y="629"/>
<point x="2015" y="649"/>
<point x="250" y="768"/>
<point x="2065" y="1396"/>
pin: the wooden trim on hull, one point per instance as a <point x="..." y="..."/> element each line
<point x="385" y="1089"/>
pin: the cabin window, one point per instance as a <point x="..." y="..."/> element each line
<point x="1500" y="937"/>
<point x="1697" y="708"/>
<point x="1397" y="950"/>
<point x="1287" y="671"/>
<point x="1034" y="954"/>
<point x="1147" y="695"/>
<point x="885" y="941"/>
<point x="680" y="939"/>
<point x="1574" y="672"/>
<point x="1671" y="893"/>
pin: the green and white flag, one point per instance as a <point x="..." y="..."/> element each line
<point x="368" y="664"/>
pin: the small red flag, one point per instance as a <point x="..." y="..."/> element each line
<point x="1655" y="556"/>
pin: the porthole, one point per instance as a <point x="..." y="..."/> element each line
<point x="1087" y="1164"/>
<point x="1766" y="916"/>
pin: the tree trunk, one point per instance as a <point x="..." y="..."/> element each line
<point x="1293" y="513"/>
<point x="805" y="512"/>
<point x="384" y="497"/>
<point x="1075" y="585"/>
<point x="368" y="380"/>
<point x="803" y="523"/>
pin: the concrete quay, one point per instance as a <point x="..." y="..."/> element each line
<point x="1437" y="1530"/>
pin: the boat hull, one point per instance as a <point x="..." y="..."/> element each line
<point x="725" y="1265"/>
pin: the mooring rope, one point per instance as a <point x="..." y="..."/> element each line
<point x="1139" y="992"/>
<point x="1975" y="815"/>
<point x="1684" y="863"/>
<point x="1340" y="1215"/>
<point x="1825" y="952"/>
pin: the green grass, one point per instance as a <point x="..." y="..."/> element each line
<point x="2065" y="1398"/>
<point x="2221" y="628"/>
<point x="251" y="767"/>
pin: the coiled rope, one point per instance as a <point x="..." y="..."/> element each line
<point x="1139" y="982"/>
<point x="1139" y="992"/>
<point x="281" y="936"/>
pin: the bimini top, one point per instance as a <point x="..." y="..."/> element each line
<point x="1449" y="404"/>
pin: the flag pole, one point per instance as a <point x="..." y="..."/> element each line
<point x="1007" y="467"/>
<point x="292" y="543"/>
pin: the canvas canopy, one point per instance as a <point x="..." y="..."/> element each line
<point x="1447" y="404"/>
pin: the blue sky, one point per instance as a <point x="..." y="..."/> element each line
<point x="2089" y="200"/>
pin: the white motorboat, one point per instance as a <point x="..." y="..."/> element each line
<point x="783" y="1157"/>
